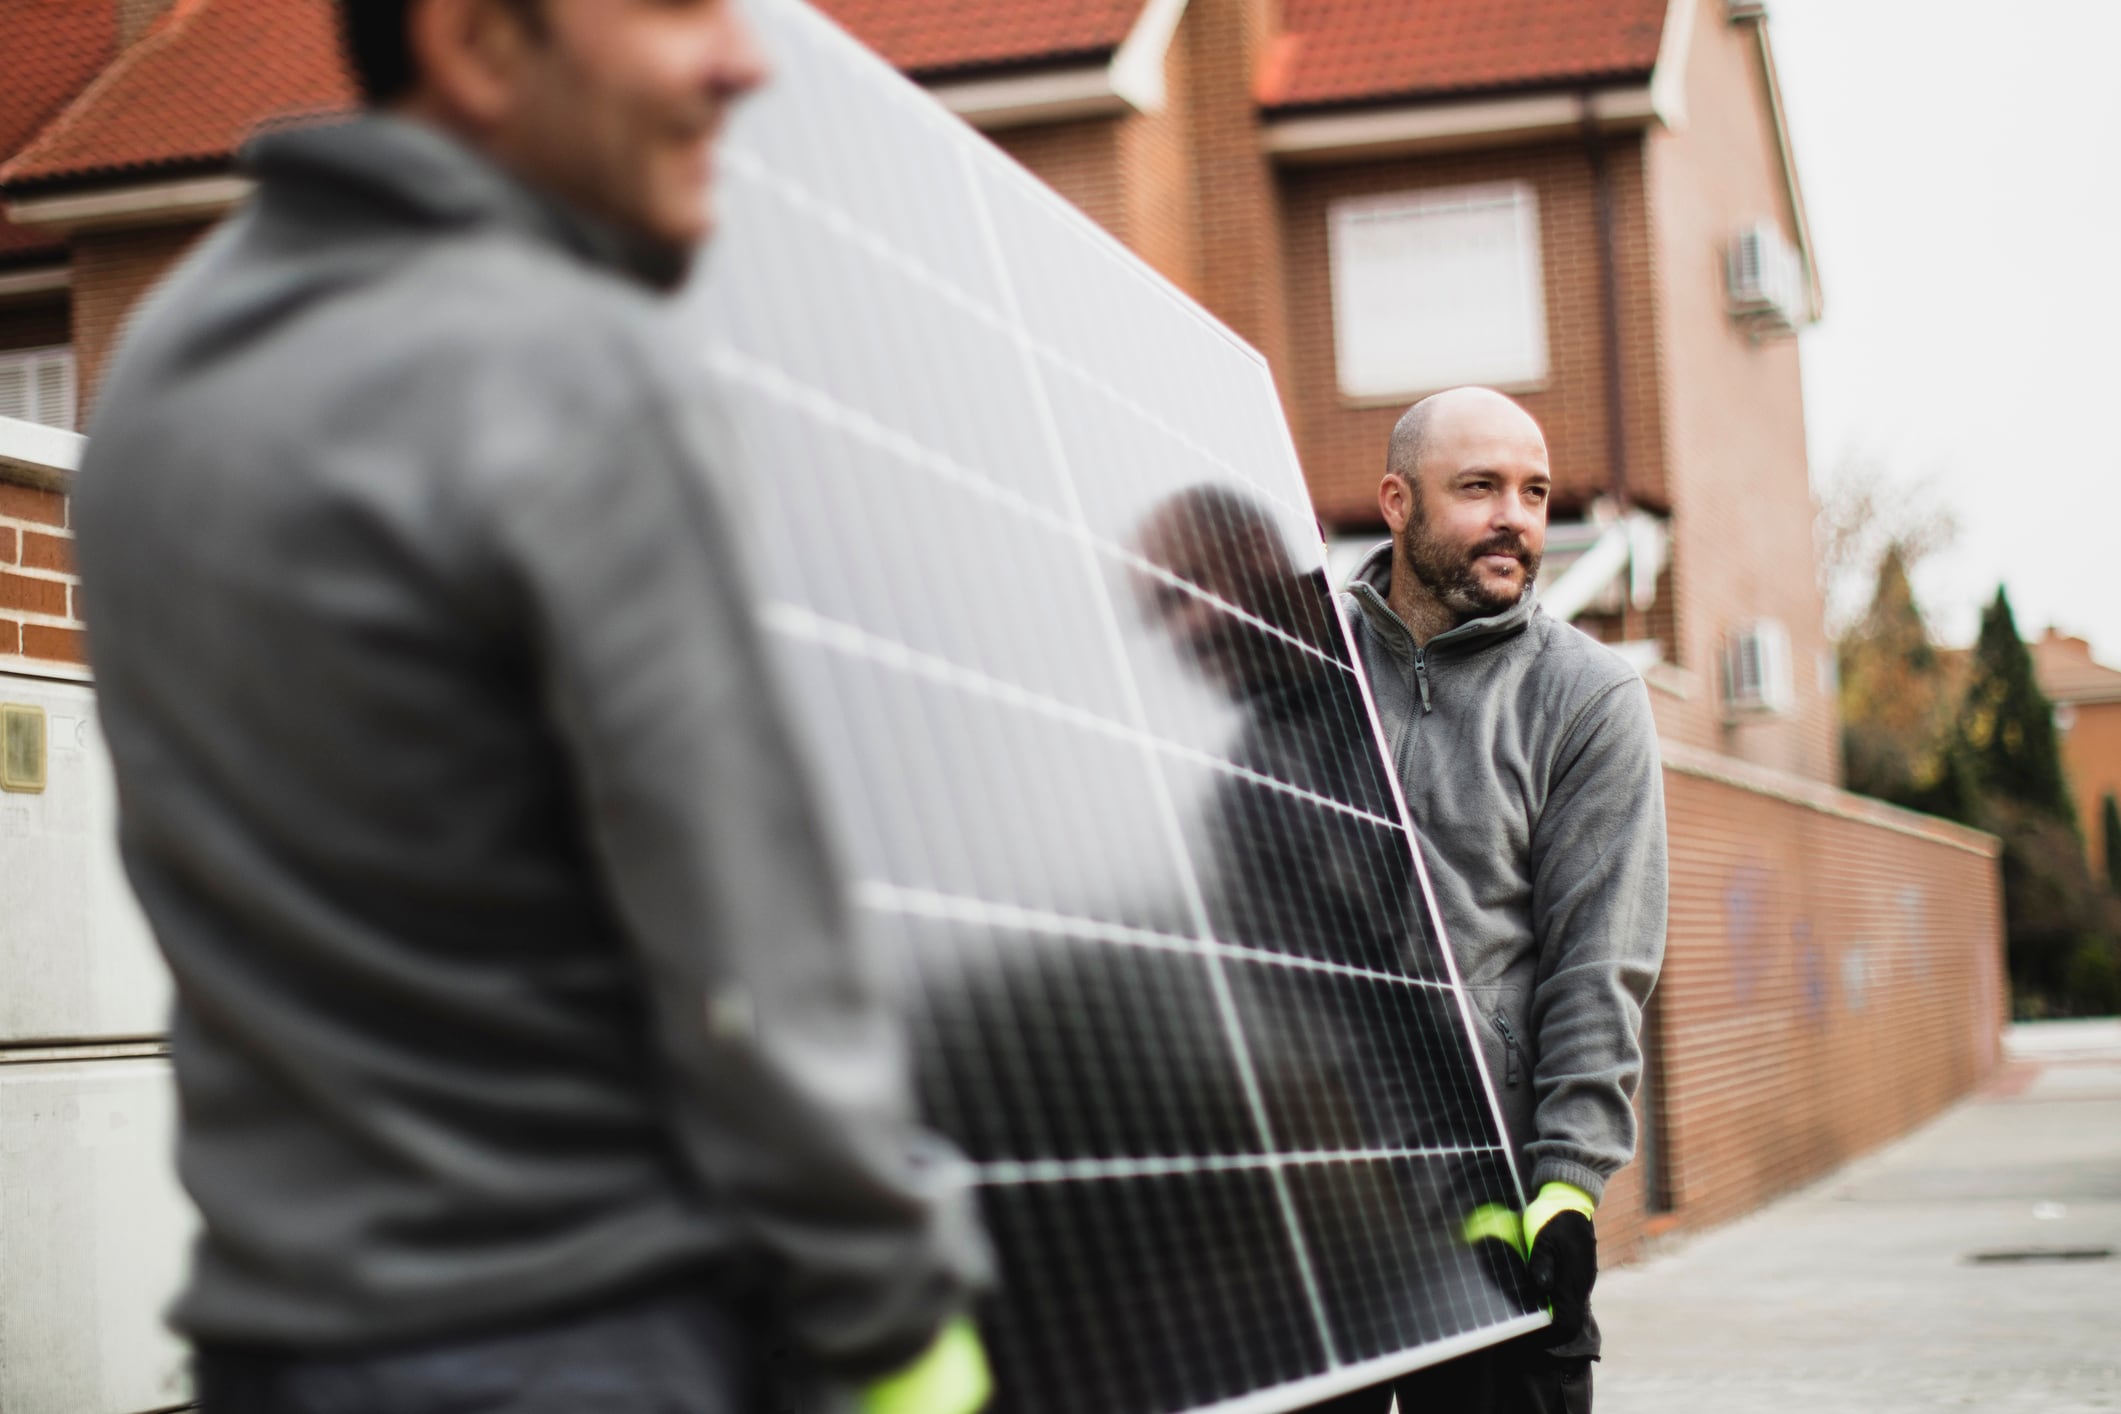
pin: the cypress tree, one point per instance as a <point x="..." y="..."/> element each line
<point x="2110" y="827"/>
<point x="2008" y="726"/>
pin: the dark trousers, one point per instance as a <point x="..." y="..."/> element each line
<point x="677" y="1352"/>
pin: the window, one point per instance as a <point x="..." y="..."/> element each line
<point x="37" y="385"/>
<point x="1432" y="289"/>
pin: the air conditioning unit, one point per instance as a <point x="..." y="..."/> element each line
<point x="1756" y="670"/>
<point x="1765" y="279"/>
<point x="1747" y="9"/>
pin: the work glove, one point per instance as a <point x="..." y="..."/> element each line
<point x="1563" y="1260"/>
<point x="1496" y="1235"/>
<point x="950" y="1377"/>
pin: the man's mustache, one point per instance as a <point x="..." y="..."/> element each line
<point x="1510" y="545"/>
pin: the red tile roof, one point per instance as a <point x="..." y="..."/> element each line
<point x="2067" y="672"/>
<point x="53" y="47"/>
<point x="186" y="93"/>
<point x="1361" y="51"/>
<point x="929" y="37"/>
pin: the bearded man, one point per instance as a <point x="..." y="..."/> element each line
<point x="1529" y="761"/>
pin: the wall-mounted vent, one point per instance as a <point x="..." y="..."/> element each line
<point x="1756" y="669"/>
<point x="1765" y="280"/>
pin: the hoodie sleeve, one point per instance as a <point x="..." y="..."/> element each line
<point x="1598" y="906"/>
<point x="786" y="1077"/>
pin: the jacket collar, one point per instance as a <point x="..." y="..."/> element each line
<point x="409" y="173"/>
<point x="1371" y="586"/>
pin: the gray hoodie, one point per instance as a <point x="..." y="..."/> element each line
<point x="512" y="966"/>
<point x="1529" y="761"/>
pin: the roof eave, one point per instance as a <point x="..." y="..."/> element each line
<point x="51" y="275"/>
<point x="153" y="201"/>
<point x="1129" y="79"/>
<point x="1394" y="129"/>
<point x="2086" y="697"/>
<point x="1022" y="99"/>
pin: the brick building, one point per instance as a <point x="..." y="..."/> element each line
<point x="1592" y="203"/>
<point x="1543" y="195"/>
<point x="2087" y="698"/>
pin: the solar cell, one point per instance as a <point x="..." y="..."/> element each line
<point x="1042" y="578"/>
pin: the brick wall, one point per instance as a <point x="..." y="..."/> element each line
<point x="1343" y="443"/>
<point x="1834" y="976"/>
<point x="1155" y="156"/>
<point x="1132" y="173"/>
<point x="39" y="617"/>
<point x="112" y="269"/>
<point x="1734" y="415"/>
<point x="1236" y="199"/>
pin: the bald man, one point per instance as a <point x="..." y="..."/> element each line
<point x="1530" y="767"/>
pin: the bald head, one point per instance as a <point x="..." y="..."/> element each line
<point x="1455" y="414"/>
<point x="1465" y="496"/>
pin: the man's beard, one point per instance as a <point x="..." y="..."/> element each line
<point x="1447" y="572"/>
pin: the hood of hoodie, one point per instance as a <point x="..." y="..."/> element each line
<point x="398" y="171"/>
<point x="1371" y="588"/>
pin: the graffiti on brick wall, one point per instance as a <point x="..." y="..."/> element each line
<point x="1746" y="898"/>
<point x="1810" y="962"/>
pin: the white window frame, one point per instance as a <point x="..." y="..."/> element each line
<point x="68" y="411"/>
<point x="1356" y="291"/>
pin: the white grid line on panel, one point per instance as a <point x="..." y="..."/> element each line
<point x="748" y="165"/>
<point x="880" y="897"/>
<point x="734" y="364"/>
<point x="795" y="621"/>
<point x="1189" y="882"/>
<point x="999" y="1173"/>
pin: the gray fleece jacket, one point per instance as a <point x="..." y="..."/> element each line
<point x="512" y="966"/>
<point x="1530" y="766"/>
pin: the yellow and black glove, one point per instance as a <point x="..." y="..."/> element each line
<point x="950" y="1377"/>
<point x="1563" y="1256"/>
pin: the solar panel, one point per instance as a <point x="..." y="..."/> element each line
<point x="1043" y="582"/>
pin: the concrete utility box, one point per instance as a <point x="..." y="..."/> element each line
<point x="93" y="1226"/>
<point x="93" y="1232"/>
<point x="76" y="960"/>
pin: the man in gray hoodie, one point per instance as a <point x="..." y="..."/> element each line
<point x="526" y="1060"/>
<point x="1530" y="766"/>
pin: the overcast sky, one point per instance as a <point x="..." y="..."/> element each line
<point x="1962" y="165"/>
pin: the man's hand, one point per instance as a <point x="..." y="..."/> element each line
<point x="950" y="1377"/>
<point x="1564" y="1256"/>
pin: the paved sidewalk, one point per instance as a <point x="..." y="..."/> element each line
<point x="1860" y="1295"/>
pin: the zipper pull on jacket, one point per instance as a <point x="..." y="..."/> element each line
<point x="1510" y="1053"/>
<point x="1421" y="677"/>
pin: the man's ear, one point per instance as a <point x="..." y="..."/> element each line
<point x="468" y="56"/>
<point x="1395" y="501"/>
